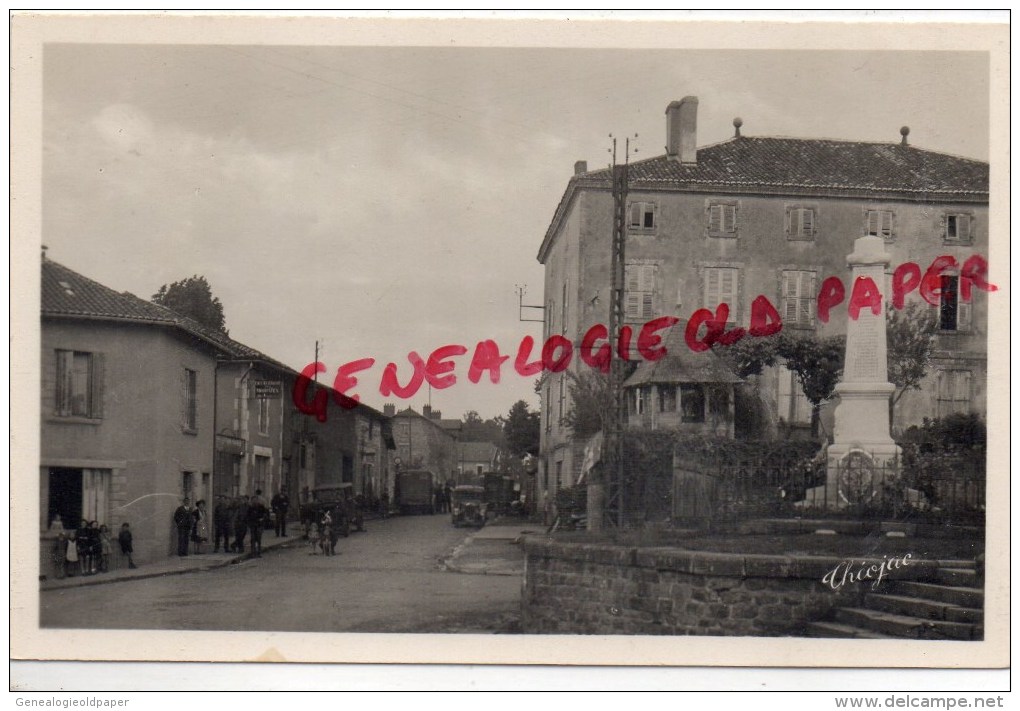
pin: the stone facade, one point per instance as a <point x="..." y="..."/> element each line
<point x="587" y="588"/>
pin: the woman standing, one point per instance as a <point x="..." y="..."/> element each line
<point x="200" y="534"/>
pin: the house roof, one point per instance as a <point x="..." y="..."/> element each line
<point x="681" y="365"/>
<point x="477" y="451"/>
<point x="804" y="167"/>
<point x="68" y="294"/>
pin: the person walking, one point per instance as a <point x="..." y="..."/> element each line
<point x="222" y="520"/>
<point x="126" y="543"/>
<point x="280" y="504"/>
<point x="184" y="520"/>
<point x="257" y="513"/>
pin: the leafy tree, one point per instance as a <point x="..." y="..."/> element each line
<point x="910" y="341"/>
<point x="590" y="403"/>
<point x="522" y="429"/>
<point x="193" y="297"/>
<point x="475" y="429"/>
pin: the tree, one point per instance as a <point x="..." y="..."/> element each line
<point x="590" y="403"/>
<point x="193" y="297"/>
<point x="910" y="341"/>
<point x="475" y="429"/>
<point x="522" y="429"/>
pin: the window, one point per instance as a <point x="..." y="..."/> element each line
<point x="953" y="392"/>
<point x="957" y="228"/>
<point x="261" y="474"/>
<point x="264" y="416"/>
<point x="721" y="288"/>
<point x="76" y="494"/>
<point x="641" y="216"/>
<point x="189" y="383"/>
<point x="79" y="384"/>
<point x="639" y="296"/>
<point x="879" y="223"/>
<point x="954" y="314"/>
<point x="799" y="298"/>
<point x="792" y="404"/>
<point x="722" y="219"/>
<point x="800" y="223"/>
<point x="187" y="485"/>
<point x="642" y="400"/>
<point x="667" y="398"/>
<point x="692" y="403"/>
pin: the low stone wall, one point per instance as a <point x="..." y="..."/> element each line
<point x="587" y="588"/>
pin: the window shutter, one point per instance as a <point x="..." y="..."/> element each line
<point x="728" y="286"/>
<point x="963" y="228"/>
<point x="646" y="305"/>
<point x="96" y="394"/>
<point x="635" y="214"/>
<point x="962" y="394"/>
<point x="63" y="390"/>
<point x="807" y="302"/>
<point x="963" y="315"/>
<point x="794" y="228"/>
<point x="789" y="297"/>
<point x="632" y="306"/>
<point x="715" y="218"/>
<point x="729" y="218"/>
<point x="886" y="223"/>
<point x="807" y="222"/>
<point x="633" y="277"/>
<point x="873" y="220"/>
<point x="711" y="289"/>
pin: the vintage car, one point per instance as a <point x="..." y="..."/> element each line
<point x="467" y="507"/>
<point x="340" y="501"/>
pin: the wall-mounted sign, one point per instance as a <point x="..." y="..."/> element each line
<point x="268" y="389"/>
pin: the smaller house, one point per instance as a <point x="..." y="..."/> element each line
<point x="475" y="459"/>
<point x="684" y="390"/>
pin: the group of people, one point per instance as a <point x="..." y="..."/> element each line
<point x="234" y="520"/>
<point x="87" y="550"/>
<point x="442" y="496"/>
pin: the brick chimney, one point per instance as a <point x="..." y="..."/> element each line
<point x="389" y="409"/>
<point x="580" y="166"/>
<point x="682" y="130"/>
<point x="426" y="410"/>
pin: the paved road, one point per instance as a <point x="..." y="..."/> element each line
<point x="389" y="579"/>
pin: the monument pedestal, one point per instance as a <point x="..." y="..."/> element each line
<point x="863" y="452"/>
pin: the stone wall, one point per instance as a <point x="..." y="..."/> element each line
<point x="586" y="588"/>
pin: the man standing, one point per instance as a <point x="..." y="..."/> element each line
<point x="184" y="521"/>
<point x="222" y="523"/>
<point x="280" y="504"/>
<point x="240" y="523"/>
<point x="257" y="512"/>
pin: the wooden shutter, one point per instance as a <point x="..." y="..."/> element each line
<point x="807" y="222"/>
<point x="790" y="297"/>
<point x="729" y="218"/>
<point x="712" y="295"/>
<point x="873" y="227"/>
<point x="963" y="310"/>
<point x="715" y="218"/>
<point x="635" y="214"/>
<point x="98" y="375"/>
<point x="793" y="218"/>
<point x="963" y="228"/>
<point x="62" y="403"/>
<point x="728" y="287"/>
<point x="961" y="395"/>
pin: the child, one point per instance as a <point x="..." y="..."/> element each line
<point x="104" y="549"/>
<point x="126" y="546"/>
<point x="72" y="555"/>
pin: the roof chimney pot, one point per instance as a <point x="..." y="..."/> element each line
<point x="904" y="131"/>
<point x="682" y="130"/>
<point x="580" y="166"/>
<point x="737" y="123"/>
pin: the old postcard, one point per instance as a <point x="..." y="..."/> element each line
<point x="509" y="341"/>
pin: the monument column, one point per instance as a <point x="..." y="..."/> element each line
<point x="862" y="444"/>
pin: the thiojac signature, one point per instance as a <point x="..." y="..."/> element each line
<point x="849" y="571"/>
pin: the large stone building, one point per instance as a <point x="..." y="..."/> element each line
<point x="757" y="216"/>
<point x="424" y="441"/>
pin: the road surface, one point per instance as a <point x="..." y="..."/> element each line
<point x="390" y="579"/>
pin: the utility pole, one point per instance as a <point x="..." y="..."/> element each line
<point x="612" y="446"/>
<point x="315" y="375"/>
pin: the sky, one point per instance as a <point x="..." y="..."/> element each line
<point x="388" y="199"/>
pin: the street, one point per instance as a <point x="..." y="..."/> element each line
<point x="389" y="579"/>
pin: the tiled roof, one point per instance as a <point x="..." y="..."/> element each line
<point x="801" y="167"/>
<point x="65" y="293"/>
<point x="681" y="365"/>
<point x="819" y="164"/>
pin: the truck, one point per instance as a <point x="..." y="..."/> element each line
<point x="499" y="492"/>
<point x="414" y="491"/>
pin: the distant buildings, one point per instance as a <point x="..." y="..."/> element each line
<point x="142" y="407"/>
<point x="759" y="216"/>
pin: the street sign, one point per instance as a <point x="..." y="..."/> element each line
<point x="268" y="389"/>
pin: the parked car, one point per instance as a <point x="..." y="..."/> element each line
<point x="340" y="501"/>
<point x="467" y="507"/>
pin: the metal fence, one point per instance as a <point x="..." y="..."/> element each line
<point x="946" y="489"/>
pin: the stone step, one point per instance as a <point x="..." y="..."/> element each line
<point x="960" y="596"/>
<point x="904" y="626"/>
<point x="923" y="609"/>
<point x="835" y="629"/>
<point x="960" y="577"/>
